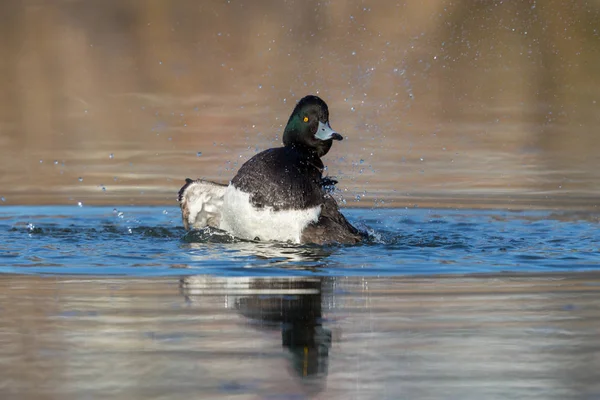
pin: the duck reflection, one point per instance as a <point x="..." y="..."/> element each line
<point x="278" y="253"/>
<point x="250" y="254"/>
<point x="293" y="305"/>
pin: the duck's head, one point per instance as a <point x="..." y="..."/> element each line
<point x="308" y="127"/>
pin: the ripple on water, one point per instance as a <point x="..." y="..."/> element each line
<point x="150" y="241"/>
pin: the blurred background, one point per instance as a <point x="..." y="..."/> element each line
<point x="443" y="103"/>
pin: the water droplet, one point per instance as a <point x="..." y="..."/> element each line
<point x="352" y="109"/>
<point x="121" y="214"/>
<point x="80" y="179"/>
<point x="30" y="226"/>
<point x="41" y="161"/>
<point x="55" y="162"/>
<point x="165" y="212"/>
<point x="422" y="159"/>
<point x="198" y="154"/>
<point x="353" y="53"/>
<point x="3" y="198"/>
<point x="111" y="155"/>
<point x="80" y="204"/>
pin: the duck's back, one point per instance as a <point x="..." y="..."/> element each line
<point x="282" y="179"/>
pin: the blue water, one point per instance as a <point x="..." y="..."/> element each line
<point x="149" y="241"/>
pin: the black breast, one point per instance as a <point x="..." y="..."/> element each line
<point x="283" y="178"/>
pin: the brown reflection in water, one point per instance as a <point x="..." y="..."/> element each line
<point x="445" y="102"/>
<point x="531" y="336"/>
<point x="31" y="340"/>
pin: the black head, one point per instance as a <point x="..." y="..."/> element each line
<point x="308" y="127"/>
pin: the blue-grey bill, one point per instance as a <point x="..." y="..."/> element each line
<point x="324" y="132"/>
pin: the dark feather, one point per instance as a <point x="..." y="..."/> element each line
<point x="282" y="178"/>
<point x="332" y="227"/>
<point x="188" y="182"/>
<point x="328" y="184"/>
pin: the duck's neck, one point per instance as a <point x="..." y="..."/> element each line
<point x="309" y="155"/>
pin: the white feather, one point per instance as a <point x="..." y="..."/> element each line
<point x="201" y="204"/>
<point x="240" y="218"/>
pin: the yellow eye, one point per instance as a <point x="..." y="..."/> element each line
<point x="305" y="119"/>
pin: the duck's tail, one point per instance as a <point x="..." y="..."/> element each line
<point x="201" y="203"/>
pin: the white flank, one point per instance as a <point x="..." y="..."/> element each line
<point x="243" y="220"/>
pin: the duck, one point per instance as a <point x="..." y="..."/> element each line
<point x="280" y="194"/>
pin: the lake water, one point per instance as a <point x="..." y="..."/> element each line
<point x="149" y="241"/>
<point x="494" y="337"/>
<point x="101" y="302"/>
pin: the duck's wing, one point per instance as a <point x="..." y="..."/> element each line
<point x="201" y="203"/>
<point x="328" y="184"/>
<point x="332" y="227"/>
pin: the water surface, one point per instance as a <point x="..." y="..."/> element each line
<point x="149" y="241"/>
<point x="493" y="337"/>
